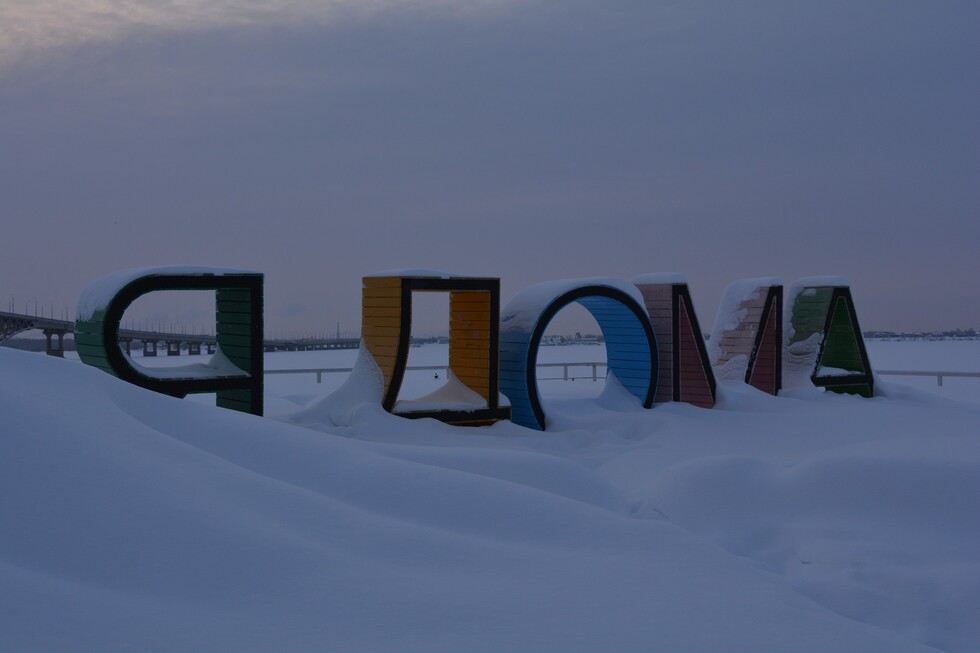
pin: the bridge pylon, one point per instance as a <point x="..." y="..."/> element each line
<point x="57" y="349"/>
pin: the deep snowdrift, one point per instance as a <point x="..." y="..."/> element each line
<point x="811" y="522"/>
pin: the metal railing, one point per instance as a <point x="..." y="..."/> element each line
<point x="939" y="375"/>
<point x="320" y="371"/>
<point x="595" y="375"/>
<point x="565" y="377"/>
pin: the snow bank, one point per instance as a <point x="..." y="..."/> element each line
<point x="453" y="395"/>
<point x="361" y="392"/>
<point x="881" y="533"/>
<point x="813" y="522"/>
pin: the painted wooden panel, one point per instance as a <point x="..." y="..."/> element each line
<point x="233" y="329"/>
<point x="379" y="347"/>
<point x="394" y="311"/>
<point x="829" y="311"/>
<point x="763" y="373"/>
<point x="739" y="340"/>
<point x="370" y="330"/>
<point x="468" y="315"/>
<point x="841" y="348"/>
<point x="383" y="294"/>
<point x="383" y="282"/>
<point x="381" y="323"/>
<point x="382" y="302"/>
<point x="235" y="318"/>
<point x="627" y="331"/>
<point x="844" y="349"/>
<point x="810" y="310"/>
<point x="481" y="335"/>
<point x="469" y="354"/>
<point x="514" y="350"/>
<point x="469" y="339"/>
<point x="684" y="371"/>
<point x="694" y="373"/>
<point x="385" y="321"/>
<point x="236" y="329"/>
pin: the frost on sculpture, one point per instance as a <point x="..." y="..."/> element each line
<point x="823" y="343"/>
<point x="745" y="344"/>
<point x="685" y="373"/>
<point x="234" y="373"/>
<point x="617" y="306"/>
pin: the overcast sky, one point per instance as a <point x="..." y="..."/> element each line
<point x="320" y="141"/>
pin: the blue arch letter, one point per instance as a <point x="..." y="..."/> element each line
<point x="631" y="346"/>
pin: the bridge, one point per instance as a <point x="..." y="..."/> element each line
<point x="55" y="330"/>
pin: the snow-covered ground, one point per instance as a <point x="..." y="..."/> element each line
<point x="807" y="522"/>
<point x="930" y="355"/>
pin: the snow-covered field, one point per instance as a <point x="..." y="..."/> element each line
<point x="807" y="522"/>
<point x="935" y="355"/>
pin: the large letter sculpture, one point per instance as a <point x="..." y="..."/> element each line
<point x="631" y="347"/>
<point x="474" y="307"/>
<point x="746" y="342"/>
<point x="823" y="339"/>
<point x="685" y="373"/>
<point x="235" y="371"/>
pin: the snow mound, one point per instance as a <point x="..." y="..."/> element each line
<point x="136" y="521"/>
<point x="453" y="395"/>
<point x="361" y="392"/>
<point x="880" y="534"/>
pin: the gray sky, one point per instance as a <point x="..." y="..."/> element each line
<point x="320" y="141"/>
